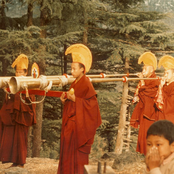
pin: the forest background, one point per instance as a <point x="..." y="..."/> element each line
<point x="116" y="32"/>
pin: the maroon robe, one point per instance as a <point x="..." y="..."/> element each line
<point x="144" y="113"/>
<point x="79" y="123"/>
<point x="15" y="119"/>
<point x="167" y="112"/>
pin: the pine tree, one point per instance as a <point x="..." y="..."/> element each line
<point x="113" y="30"/>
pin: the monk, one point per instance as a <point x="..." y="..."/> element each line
<point x="165" y="101"/>
<point x="144" y="113"/>
<point x="15" y="119"/>
<point x="81" y="115"/>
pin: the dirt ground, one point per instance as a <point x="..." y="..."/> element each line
<point x="32" y="166"/>
<point x="126" y="163"/>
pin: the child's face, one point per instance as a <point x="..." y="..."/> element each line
<point x="20" y="72"/>
<point x="164" y="148"/>
<point x="76" y="71"/>
<point x="169" y="75"/>
<point x="147" y="71"/>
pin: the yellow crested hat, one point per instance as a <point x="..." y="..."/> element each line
<point x="81" y="54"/>
<point x="167" y="62"/>
<point x="21" y="62"/>
<point x="149" y="59"/>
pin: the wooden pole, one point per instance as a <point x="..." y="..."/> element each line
<point x="99" y="167"/>
<point x="37" y="129"/>
<point x="123" y="110"/>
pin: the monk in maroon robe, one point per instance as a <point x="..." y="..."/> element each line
<point x="15" y="119"/>
<point x="81" y="118"/>
<point x="167" y="112"/>
<point x="144" y="113"/>
<point x="165" y="101"/>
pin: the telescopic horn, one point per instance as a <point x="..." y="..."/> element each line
<point x="4" y="82"/>
<point x="21" y="83"/>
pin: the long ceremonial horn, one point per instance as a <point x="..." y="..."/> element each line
<point x="17" y="84"/>
<point x="123" y="79"/>
<point x="102" y="75"/>
<point x="4" y="82"/>
<point x="21" y="83"/>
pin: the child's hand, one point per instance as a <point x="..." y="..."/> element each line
<point x="140" y="75"/>
<point x="71" y="97"/>
<point x="153" y="159"/>
<point x="163" y="81"/>
<point x="63" y="97"/>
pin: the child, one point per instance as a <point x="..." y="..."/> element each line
<point x="144" y="114"/>
<point x="160" y="148"/>
<point x="81" y="115"/>
<point x="15" y="120"/>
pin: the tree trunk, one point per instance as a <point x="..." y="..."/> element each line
<point x="128" y="132"/>
<point x="85" y="34"/>
<point x="65" y="61"/>
<point x="30" y="15"/>
<point x="37" y="129"/>
<point x="43" y="22"/>
<point x="64" y="69"/>
<point x="123" y="112"/>
<point x="4" y="66"/>
<point x="3" y="15"/>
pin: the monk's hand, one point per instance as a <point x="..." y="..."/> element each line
<point x="153" y="159"/>
<point x="136" y="99"/>
<point x="63" y="98"/>
<point x="71" y="97"/>
<point x="140" y="75"/>
<point x="163" y="81"/>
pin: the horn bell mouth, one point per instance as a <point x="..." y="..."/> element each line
<point x="13" y="85"/>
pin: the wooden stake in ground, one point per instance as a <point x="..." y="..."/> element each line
<point x="123" y="112"/>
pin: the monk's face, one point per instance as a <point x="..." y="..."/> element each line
<point x="169" y="75"/>
<point x="76" y="70"/>
<point x="21" y="72"/>
<point x="147" y="71"/>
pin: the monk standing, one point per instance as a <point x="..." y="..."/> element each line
<point x="81" y="115"/>
<point x="15" y="119"/>
<point x="165" y="101"/>
<point x="144" y="113"/>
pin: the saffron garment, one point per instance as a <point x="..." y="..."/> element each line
<point x="15" y="119"/>
<point x="144" y="113"/>
<point x="167" y="111"/>
<point x="79" y="123"/>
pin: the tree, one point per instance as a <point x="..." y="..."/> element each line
<point x="112" y="34"/>
<point x="30" y="13"/>
<point x="123" y="113"/>
<point x="2" y="14"/>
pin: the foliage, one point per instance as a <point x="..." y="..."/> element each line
<point x="98" y="147"/>
<point x="115" y="30"/>
<point x="50" y="138"/>
<point x="124" y="4"/>
<point x="161" y="6"/>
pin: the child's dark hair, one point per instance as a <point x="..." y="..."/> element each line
<point x="162" y="128"/>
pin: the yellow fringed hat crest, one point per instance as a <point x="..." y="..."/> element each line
<point x="35" y="70"/>
<point x="21" y="62"/>
<point x="149" y="59"/>
<point x="81" y="54"/>
<point x="167" y="62"/>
